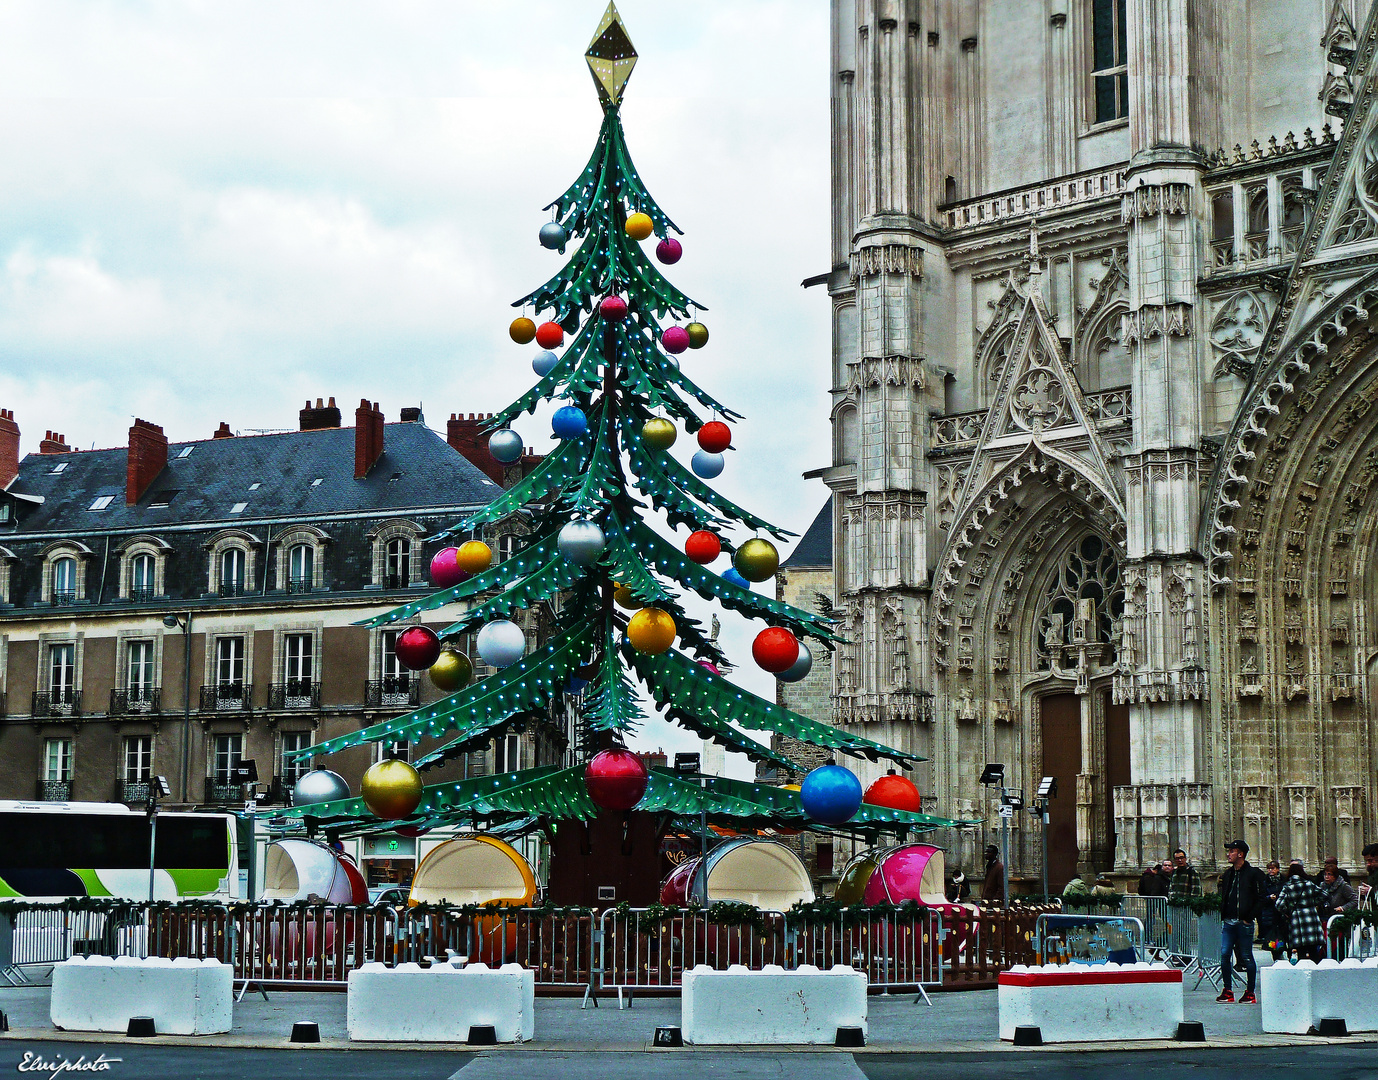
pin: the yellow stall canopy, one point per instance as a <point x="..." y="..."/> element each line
<point x="474" y="869"/>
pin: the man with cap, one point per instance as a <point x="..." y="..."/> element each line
<point x="1243" y="891"/>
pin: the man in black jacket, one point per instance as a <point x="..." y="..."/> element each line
<point x="1243" y="890"/>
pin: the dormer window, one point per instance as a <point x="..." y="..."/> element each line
<point x="65" y="580"/>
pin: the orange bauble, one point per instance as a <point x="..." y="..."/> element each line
<point x="894" y="792"/>
<point x="474" y="556"/>
<point x="550" y="335"/>
<point x="522" y="330"/>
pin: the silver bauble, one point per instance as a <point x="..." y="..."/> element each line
<point x="505" y="445"/>
<point x="554" y="237"/>
<point x="706" y="465"/>
<point x="544" y="363"/>
<point x="501" y="643"/>
<point x="581" y="542"/>
<point x="800" y="667"/>
<point x="319" y="786"/>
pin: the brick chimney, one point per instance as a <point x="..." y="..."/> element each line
<point x="320" y="416"/>
<point x="147" y="458"/>
<point x="54" y="444"/>
<point x="410" y="415"/>
<point x="368" y="437"/>
<point x="9" y="448"/>
<point x="223" y="431"/>
<point x="470" y="438"/>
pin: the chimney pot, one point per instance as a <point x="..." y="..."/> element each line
<point x="54" y="443"/>
<point x="147" y="458"/>
<point x="320" y="417"/>
<point x="368" y="437"/>
<point x="223" y="431"/>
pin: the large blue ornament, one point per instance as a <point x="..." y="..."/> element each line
<point x="731" y="574"/>
<point x="544" y="363"/>
<point x="706" y="465"/>
<point x="569" y="422"/>
<point x="831" y="794"/>
<point x="554" y="237"/>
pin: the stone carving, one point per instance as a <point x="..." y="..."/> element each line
<point x="1150" y="200"/>
<point x="1038" y="401"/>
<point x="1236" y="332"/>
<point x="966" y="706"/>
<point x="1360" y="219"/>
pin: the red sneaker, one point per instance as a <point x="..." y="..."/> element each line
<point x="1248" y="999"/>
<point x="1226" y="997"/>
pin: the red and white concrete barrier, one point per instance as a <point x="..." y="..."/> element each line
<point x="1091" y="1002"/>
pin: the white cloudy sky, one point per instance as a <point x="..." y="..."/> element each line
<point x="213" y="211"/>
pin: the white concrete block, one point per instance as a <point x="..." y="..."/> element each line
<point x="185" y="996"/>
<point x="1296" y="997"/>
<point x="771" y="1006"/>
<point x="1091" y="1002"/>
<point x="409" y="1003"/>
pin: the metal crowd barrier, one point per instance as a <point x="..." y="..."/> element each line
<point x="1085" y="937"/>
<point x="1359" y="942"/>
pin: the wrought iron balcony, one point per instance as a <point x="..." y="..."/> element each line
<point x="403" y="691"/>
<point x="219" y="791"/>
<point x="65" y="701"/>
<point x="141" y="594"/>
<point x="3" y="713"/>
<point x="280" y="791"/>
<point x="232" y="588"/>
<point x="135" y="700"/>
<point x="55" y="790"/>
<point x="64" y="597"/>
<point x="227" y="697"/>
<point x="299" y="584"/>
<point x="396" y="581"/>
<point x="133" y="791"/>
<point x="295" y="694"/>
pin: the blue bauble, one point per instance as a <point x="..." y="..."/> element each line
<point x="569" y="422"/>
<point x="544" y="363"/>
<point x="706" y="465"/>
<point x="505" y="445"/>
<point x="800" y="667"/>
<point x="831" y="794"/>
<point x="731" y="574"/>
<point x="554" y="237"/>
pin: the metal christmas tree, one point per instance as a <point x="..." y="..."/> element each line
<point x="622" y="393"/>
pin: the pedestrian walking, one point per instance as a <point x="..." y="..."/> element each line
<point x="1300" y="900"/>
<point x="993" y="888"/>
<point x="1243" y="889"/>
<point x="1186" y="882"/>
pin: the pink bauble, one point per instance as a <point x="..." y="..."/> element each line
<point x="418" y="647"/>
<point x="616" y="779"/>
<point x="613" y="307"/>
<point x="669" y="250"/>
<point x="445" y="569"/>
<point x="675" y="339"/>
<point x="710" y="666"/>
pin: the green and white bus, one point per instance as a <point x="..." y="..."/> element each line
<point x="50" y="851"/>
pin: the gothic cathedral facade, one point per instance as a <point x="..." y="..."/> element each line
<point x="1104" y="443"/>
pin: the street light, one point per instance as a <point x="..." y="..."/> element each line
<point x="689" y="765"/>
<point x="172" y="621"/>
<point x="1047" y="791"/>
<point x="993" y="776"/>
<point x="158" y="788"/>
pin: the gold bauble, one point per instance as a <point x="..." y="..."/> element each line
<point x="452" y="671"/>
<point x="698" y="335"/>
<point x="651" y="631"/>
<point x="522" y="330"/>
<point x="639" y="226"/>
<point x="658" y="433"/>
<point x="474" y="556"/>
<point x="757" y="560"/>
<point x="391" y="789"/>
<point x="623" y="598"/>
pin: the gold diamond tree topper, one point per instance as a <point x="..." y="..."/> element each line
<point x="611" y="57"/>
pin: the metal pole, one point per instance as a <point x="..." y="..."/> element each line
<point x="251" y="878"/>
<point x="1044" y="837"/>
<point x="152" y="843"/>
<point x="186" y="705"/>
<point x="1005" y="843"/>
<point x="703" y="833"/>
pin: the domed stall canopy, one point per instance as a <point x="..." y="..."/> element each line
<point x="305" y="869"/>
<point x="745" y="870"/>
<point x="892" y="875"/>
<point x="474" y="869"/>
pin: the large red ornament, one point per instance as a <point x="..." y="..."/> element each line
<point x="775" y="649"/>
<point x="550" y="335"/>
<point x="715" y="437"/>
<point x="703" y="547"/>
<point x="418" y="647"/>
<point x="616" y="779"/>
<point x="613" y="307"/>
<point x="895" y="792"/>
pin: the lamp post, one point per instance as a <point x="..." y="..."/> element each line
<point x="1047" y="791"/>
<point x="993" y="776"/>
<point x="184" y="621"/>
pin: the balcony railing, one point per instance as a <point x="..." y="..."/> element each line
<point x="299" y="584"/>
<point x="396" y="581"/>
<point x="3" y="713"/>
<point x="295" y="694"/>
<point x="141" y="594"/>
<point x="280" y="791"/>
<point x="395" y="690"/>
<point x="221" y="792"/>
<point x="227" y="697"/>
<point x="65" y="701"/>
<point x="63" y="597"/>
<point x="1039" y="198"/>
<point x="55" y="790"/>
<point x="135" y="700"/>
<point x="132" y="791"/>
<point x="231" y="588"/>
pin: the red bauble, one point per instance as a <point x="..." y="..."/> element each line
<point x="616" y="779"/>
<point x="669" y="250"/>
<point x="715" y="437"/>
<point x="613" y="307"/>
<point x="895" y="793"/>
<point x="775" y="649"/>
<point x="410" y="831"/>
<point x="550" y="335"/>
<point x="418" y="647"/>
<point x="703" y="547"/>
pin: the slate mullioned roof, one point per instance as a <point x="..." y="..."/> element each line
<point x="417" y="470"/>
<point x="815" y="547"/>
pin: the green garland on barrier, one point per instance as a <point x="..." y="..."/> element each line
<point x="1083" y="901"/>
<point x="1198" y="905"/>
<point x="1348" y="920"/>
<point x="835" y="913"/>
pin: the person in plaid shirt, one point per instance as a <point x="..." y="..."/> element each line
<point x="1300" y="900"/>
<point x="1185" y="880"/>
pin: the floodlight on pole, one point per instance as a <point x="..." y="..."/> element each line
<point x="993" y="774"/>
<point x="1047" y="791"/>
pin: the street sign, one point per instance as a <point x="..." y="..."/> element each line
<point x="1007" y="811"/>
